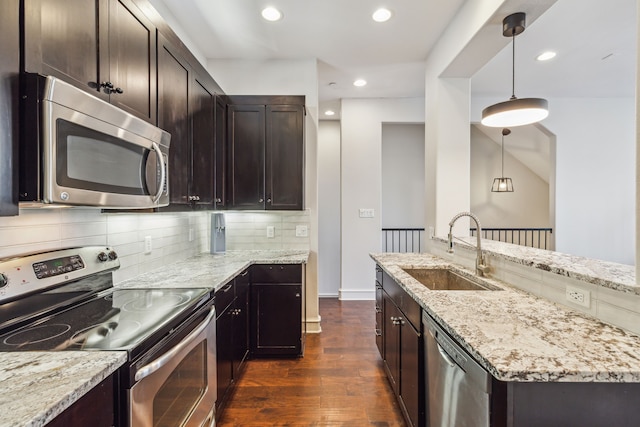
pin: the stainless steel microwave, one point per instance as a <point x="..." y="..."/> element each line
<point x="78" y="150"/>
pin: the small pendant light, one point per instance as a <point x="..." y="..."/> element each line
<point x="515" y="112"/>
<point x="502" y="184"/>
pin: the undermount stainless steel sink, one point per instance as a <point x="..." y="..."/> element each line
<point x="442" y="279"/>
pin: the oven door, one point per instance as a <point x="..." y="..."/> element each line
<point x="178" y="389"/>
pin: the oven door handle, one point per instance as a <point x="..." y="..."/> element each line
<point x="152" y="367"/>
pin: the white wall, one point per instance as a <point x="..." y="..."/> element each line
<point x="403" y="202"/>
<point x="595" y="178"/>
<point x="527" y="206"/>
<point x="595" y="175"/>
<point x="329" y="208"/>
<point x="361" y="129"/>
<point x="46" y="229"/>
<point x="285" y="77"/>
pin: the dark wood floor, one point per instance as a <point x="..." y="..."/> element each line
<point x="340" y="380"/>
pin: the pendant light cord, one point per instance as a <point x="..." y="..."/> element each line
<point x="513" y="65"/>
<point x="502" y="174"/>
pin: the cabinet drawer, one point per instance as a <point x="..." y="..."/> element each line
<point x="409" y="307"/>
<point x="224" y="297"/>
<point x="276" y="273"/>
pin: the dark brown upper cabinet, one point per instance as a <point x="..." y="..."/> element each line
<point x="107" y="48"/>
<point x="265" y="152"/>
<point x="220" y="155"/>
<point x="9" y="71"/>
<point x="186" y="105"/>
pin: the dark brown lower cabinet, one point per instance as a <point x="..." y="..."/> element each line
<point x="402" y="349"/>
<point x="232" y="335"/>
<point x="224" y="298"/>
<point x="277" y="306"/>
<point x="95" y="409"/>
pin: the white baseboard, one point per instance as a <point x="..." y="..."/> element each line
<point x="357" y="295"/>
<point x="313" y="325"/>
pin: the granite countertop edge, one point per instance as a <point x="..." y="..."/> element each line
<point x="212" y="271"/>
<point x="47" y="383"/>
<point x="517" y="336"/>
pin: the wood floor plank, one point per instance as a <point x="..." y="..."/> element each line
<point x="340" y="381"/>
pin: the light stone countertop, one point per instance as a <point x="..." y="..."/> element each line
<point x="38" y="386"/>
<point x="621" y="277"/>
<point x="212" y="270"/>
<point x="517" y="336"/>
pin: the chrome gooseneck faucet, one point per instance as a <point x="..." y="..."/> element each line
<point x="481" y="267"/>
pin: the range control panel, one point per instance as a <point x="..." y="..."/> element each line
<point x="54" y="267"/>
<point x="36" y="272"/>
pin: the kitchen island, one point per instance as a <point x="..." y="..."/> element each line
<point x="38" y="386"/>
<point x="517" y="336"/>
<point x="546" y="364"/>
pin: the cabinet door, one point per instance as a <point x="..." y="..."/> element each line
<point x="220" y="152"/>
<point x="9" y="71"/>
<point x="284" y="157"/>
<point x="64" y="39"/>
<point x="241" y="323"/>
<point x="410" y="372"/>
<point x="95" y="409"/>
<point x="132" y="60"/>
<point x="202" y="144"/>
<point x="379" y="330"/>
<point x="391" y="340"/>
<point x="277" y="312"/>
<point x="173" y="116"/>
<point x="246" y="127"/>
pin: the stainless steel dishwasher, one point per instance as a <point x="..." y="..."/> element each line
<point x="458" y="389"/>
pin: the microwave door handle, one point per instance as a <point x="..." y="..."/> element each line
<point x="156" y="147"/>
<point x="152" y="367"/>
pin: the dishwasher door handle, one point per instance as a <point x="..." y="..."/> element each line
<point x="446" y="357"/>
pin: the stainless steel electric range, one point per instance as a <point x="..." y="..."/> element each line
<point x="65" y="300"/>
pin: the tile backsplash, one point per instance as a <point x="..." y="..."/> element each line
<point x="248" y="230"/>
<point x="174" y="236"/>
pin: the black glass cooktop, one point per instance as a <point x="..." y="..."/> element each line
<point x="120" y="320"/>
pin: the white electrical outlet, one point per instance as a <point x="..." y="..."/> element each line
<point x="367" y="213"/>
<point x="302" y="231"/>
<point x="578" y="296"/>
<point x="147" y="244"/>
<point x="191" y="235"/>
<point x="271" y="231"/>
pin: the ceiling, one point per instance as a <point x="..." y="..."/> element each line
<point x="347" y="43"/>
<point x="595" y="42"/>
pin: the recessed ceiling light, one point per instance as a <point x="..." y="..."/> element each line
<point x="329" y="113"/>
<point x="271" y="14"/>
<point x="360" y="83"/>
<point x="545" y="56"/>
<point x="381" y="15"/>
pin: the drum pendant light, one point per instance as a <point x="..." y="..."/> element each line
<point x="502" y="184"/>
<point x="515" y="111"/>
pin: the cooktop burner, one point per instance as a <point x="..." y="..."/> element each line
<point x="116" y="321"/>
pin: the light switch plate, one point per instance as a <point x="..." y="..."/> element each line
<point x="367" y="213"/>
<point x="271" y="231"/>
